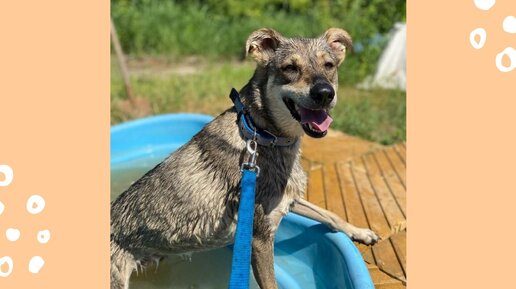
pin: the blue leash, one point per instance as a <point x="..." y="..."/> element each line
<point x="240" y="268"/>
<point x="241" y="263"/>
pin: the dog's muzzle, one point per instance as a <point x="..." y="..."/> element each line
<point x="315" y="122"/>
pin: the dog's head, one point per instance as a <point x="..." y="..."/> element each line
<point x="301" y="77"/>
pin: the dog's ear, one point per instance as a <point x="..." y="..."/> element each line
<point x="339" y="41"/>
<point x="262" y="44"/>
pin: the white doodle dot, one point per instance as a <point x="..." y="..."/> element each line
<point x="35" y="204"/>
<point x="509" y="52"/>
<point x="484" y="4"/>
<point x="7" y="171"/>
<point x="43" y="236"/>
<point x="12" y="234"/>
<point x="481" y="33"/>
<point x="35" y="264"/>
<point x="509" y="24"/>
<point x="2" y="207"/>
<point x="6" y="263"/>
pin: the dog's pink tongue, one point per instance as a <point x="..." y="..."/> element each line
<point x="319" y="119"/>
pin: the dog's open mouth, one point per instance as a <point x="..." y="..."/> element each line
<point x="315" y="123"/>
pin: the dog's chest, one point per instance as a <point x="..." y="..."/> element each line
<point x="282" y="180"/>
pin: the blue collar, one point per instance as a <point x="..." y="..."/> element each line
<point x="249" y="131"/>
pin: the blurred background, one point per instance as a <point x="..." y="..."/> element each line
<point x="185" y="56"/>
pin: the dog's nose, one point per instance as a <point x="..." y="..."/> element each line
<point x="322" y="93"/>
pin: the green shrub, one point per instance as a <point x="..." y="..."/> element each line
<point x="219" y="28"/>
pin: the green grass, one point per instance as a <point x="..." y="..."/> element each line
<point x="376" y="115"/>
<point x="217" y="29"/>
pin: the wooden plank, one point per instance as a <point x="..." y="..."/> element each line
<point x="372" y="207"/>
<point x="383" y="252"/>
<point x="379" y="277"/>
<point x="392" y="181"/>
<point x="368" y="191"/>
<point x="396" y="163"/>
<point x="315" y="193"/>
<point x="382" y="280"/>
<point x="401" y="151"/>
<point x="333" y="195"/>
<point x="367" y="253"/>
<point x="353" y="205"/>
<point x="391" y="286"/>
<point x="391" y="209"/>
<point x="387" y="260"/>
<point x="386" y="166"/>
<point x="399" y="242"/>
<point x="336" y="147"/>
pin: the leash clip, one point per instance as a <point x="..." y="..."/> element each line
<point x="251" y="146"/>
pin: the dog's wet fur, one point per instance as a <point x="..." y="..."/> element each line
<point x="189" y="202"/>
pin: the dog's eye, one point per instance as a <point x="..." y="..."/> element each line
<point x="289" y="68"/>
<point x="329" y="65"/>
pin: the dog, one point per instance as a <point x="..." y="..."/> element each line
<point x="189" y="202"/>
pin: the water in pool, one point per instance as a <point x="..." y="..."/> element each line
<point x="205" y="270"/>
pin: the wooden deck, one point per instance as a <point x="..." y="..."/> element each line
<point x="364" y="183"/>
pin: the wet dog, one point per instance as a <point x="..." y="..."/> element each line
<point x="189" y="202"/>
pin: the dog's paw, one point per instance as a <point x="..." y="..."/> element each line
<point x="364" y="236"/>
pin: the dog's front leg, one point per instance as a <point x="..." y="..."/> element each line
<point x="334" y="222"/>
<point x="262" y="257"/>
<point x="263" y="262"/>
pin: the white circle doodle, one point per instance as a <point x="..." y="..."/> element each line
<point x="481" y="32"/>
<point x="7" y="171"/>
<point x="511" y="53"/>
<point x="6" y="260"/>
<point x="35" y="204"/>
<point x="509" y="24"/>
<point x="12" y="234"/>
<point x="484" y="4"/>
<point x="43" y="236"/>
<point x="2" y="207"/>
<point x="35" y="264"/>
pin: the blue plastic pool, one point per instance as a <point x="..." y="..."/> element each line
<point x="307" y="254"/>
